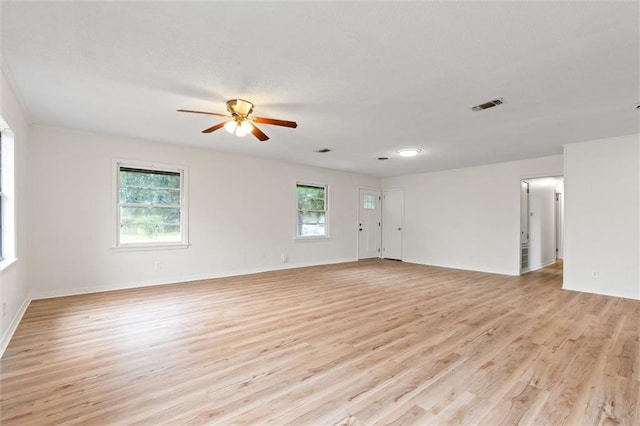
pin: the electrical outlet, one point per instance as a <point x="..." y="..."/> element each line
<point x="158" y="265"/>
<point x="283" y="258"/>
<point x="595" y="274"/>
<point x="4" y="309"/>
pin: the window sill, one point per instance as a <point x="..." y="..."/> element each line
<point x="154" y="247"/>
<point x="310" y="239"/>
<point x="7" y="263"/>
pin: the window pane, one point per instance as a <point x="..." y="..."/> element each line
<point x="311" y="203"/>
<point x="312" y="230"/>
<point x="147" y="233"/>
<point x="1" y="201"/>
<point x="141" y="177"/>
<point x="369" y="201"/>
<point x="1" y="235"/>
<point x="138" y="195"/>
<point x="310" y="197"/>
<point x="141" y="224"/>
<point x="311" y="223"/>
<point x="155" y="215"/>
<point x="312" y="217"/>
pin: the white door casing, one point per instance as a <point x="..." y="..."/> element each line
<point x="524" y="226"/>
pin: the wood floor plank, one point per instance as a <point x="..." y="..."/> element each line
<point x="369" y="342"/>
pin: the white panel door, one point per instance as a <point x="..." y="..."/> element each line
<point x="392" y="205"/>
<point x="369" y="218"/>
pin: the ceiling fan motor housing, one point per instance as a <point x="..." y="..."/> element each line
<point x="239" y="107"/>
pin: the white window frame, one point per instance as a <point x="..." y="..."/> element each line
<point x="7" y="198"/>
<point x="327" y="228"/>
<point x="184" y="205"/>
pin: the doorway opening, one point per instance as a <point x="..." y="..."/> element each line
<point x="541" y="222"/>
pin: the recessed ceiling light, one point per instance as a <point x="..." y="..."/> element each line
<point x="408" y="152"/>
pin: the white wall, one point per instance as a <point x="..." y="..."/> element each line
<point x="468" y="218"/>
<point x="560" y="191"/>
<point x="602" y="181"/>
<point x="542" y="226"/>
<point x="14" y="285"/>
<point x="241" y="211"/>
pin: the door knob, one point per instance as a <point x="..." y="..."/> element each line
<point x="360" y="229"/>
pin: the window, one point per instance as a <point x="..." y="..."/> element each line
<point x="151" y="206"/>
<point x="312" y="210"/>
<point x="7" y="206"/>
<point x="369" y="202"/>
<point x="1" y="204"/>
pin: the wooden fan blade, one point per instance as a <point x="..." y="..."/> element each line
<point x="259" y="134"/>
<point x="214" y="128"/>
<point x="203" y="112"/>
<point x="275" y="122"/>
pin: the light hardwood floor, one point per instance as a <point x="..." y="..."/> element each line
<point x="372" y="342"/>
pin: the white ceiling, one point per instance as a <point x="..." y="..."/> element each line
<point x="363" y="79"/>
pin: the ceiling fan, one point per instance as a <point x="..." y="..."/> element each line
<point x="239" y="123"/>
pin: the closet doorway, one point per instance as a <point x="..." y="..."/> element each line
<point x="541" y="222"/>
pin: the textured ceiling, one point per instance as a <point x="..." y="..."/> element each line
<point x="363" y="79"/>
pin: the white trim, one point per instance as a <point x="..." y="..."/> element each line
<point x="603" y="293"/>
<point x="116" y="246"/>
<point x="5" y="264"/>
<point x="176" y="280"/>
<point x="538" y="267"/>
<point x="13" y="326"/>
<point x="150" y="247"/>
<point x="311" y="238"/>
<point x="460" y="267"/>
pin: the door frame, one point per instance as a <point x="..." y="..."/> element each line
<point x="524" y="270"/>
<point x="518" y="183"/>
<point x="559" y="218"/>
<point x="368" y="188"/>
<point x="401" y="223"/>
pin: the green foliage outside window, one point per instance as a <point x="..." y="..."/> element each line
<point x="149" y="206"/>
<point x="312" y="210"/>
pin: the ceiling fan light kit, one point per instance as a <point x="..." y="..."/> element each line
<point x="238" y="128"/>
<point x="239" y="123"/>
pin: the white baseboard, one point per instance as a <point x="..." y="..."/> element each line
<point x="8" y="334"/>
<point x="462" y="267"/>
<point x="601" y="293"/>
<point x="36" y="295"/>
<point x="544" y="265"/>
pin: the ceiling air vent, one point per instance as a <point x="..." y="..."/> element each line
<point x="488" y="105"/>
<point x="323" y="150"/>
